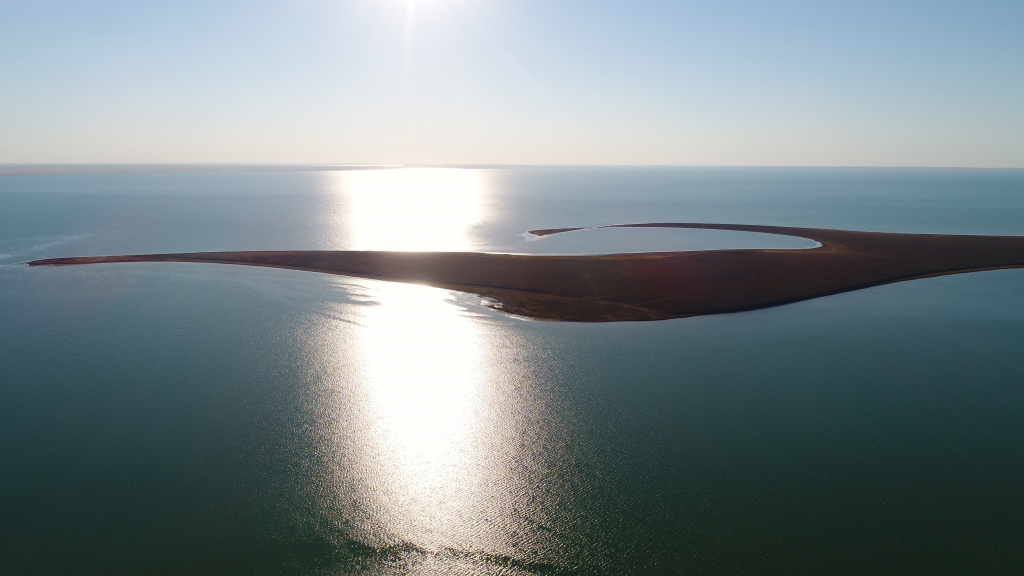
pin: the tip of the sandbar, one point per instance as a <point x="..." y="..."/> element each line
<point x="550" y="231"/>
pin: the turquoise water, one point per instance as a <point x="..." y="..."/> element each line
<point x="177" y="418"/>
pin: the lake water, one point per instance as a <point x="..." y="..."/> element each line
<point x="209" y="419"/>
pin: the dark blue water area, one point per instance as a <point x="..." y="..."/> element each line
<point x="179" y="418"/>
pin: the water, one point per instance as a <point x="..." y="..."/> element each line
<point x="183" y="418"/>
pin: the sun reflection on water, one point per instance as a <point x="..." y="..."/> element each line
<point x="433" y="433"/>
<point x="419" y="357"/>
<point x="423" y="384"/>
<point x="413" y="209"/>
<point x="425" y="423"/>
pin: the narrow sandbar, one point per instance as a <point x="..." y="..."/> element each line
<point x="647" y="286"/>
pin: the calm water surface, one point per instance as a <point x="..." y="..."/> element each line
<point x="204" y="419"/>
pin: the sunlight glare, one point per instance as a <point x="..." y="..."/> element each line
<point x="423" y="382"/>
<point x="431" y="456"/>
<point x="413" y="209"/>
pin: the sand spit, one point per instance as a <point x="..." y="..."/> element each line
<point x="647" y="286"/>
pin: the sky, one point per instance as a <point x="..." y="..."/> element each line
<point x="728" y="82"/>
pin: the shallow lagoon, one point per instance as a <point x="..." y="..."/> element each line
<point x="211" y="419"/>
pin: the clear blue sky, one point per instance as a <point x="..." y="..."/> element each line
<point x="744" y="82"/>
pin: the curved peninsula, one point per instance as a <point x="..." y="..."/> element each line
<point x="647" y="286"/>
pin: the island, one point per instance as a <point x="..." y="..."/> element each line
<point x="651" y="285"/>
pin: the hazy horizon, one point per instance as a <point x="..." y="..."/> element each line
<point x="100" y="168"/>
<point x="467" y="82"/>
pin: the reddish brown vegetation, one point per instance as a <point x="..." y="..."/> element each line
<point x="648" y="286"/>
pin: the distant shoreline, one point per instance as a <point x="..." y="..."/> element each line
<point x="79" y="169"/>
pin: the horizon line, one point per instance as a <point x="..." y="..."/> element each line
<point x="99" y="168"/>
